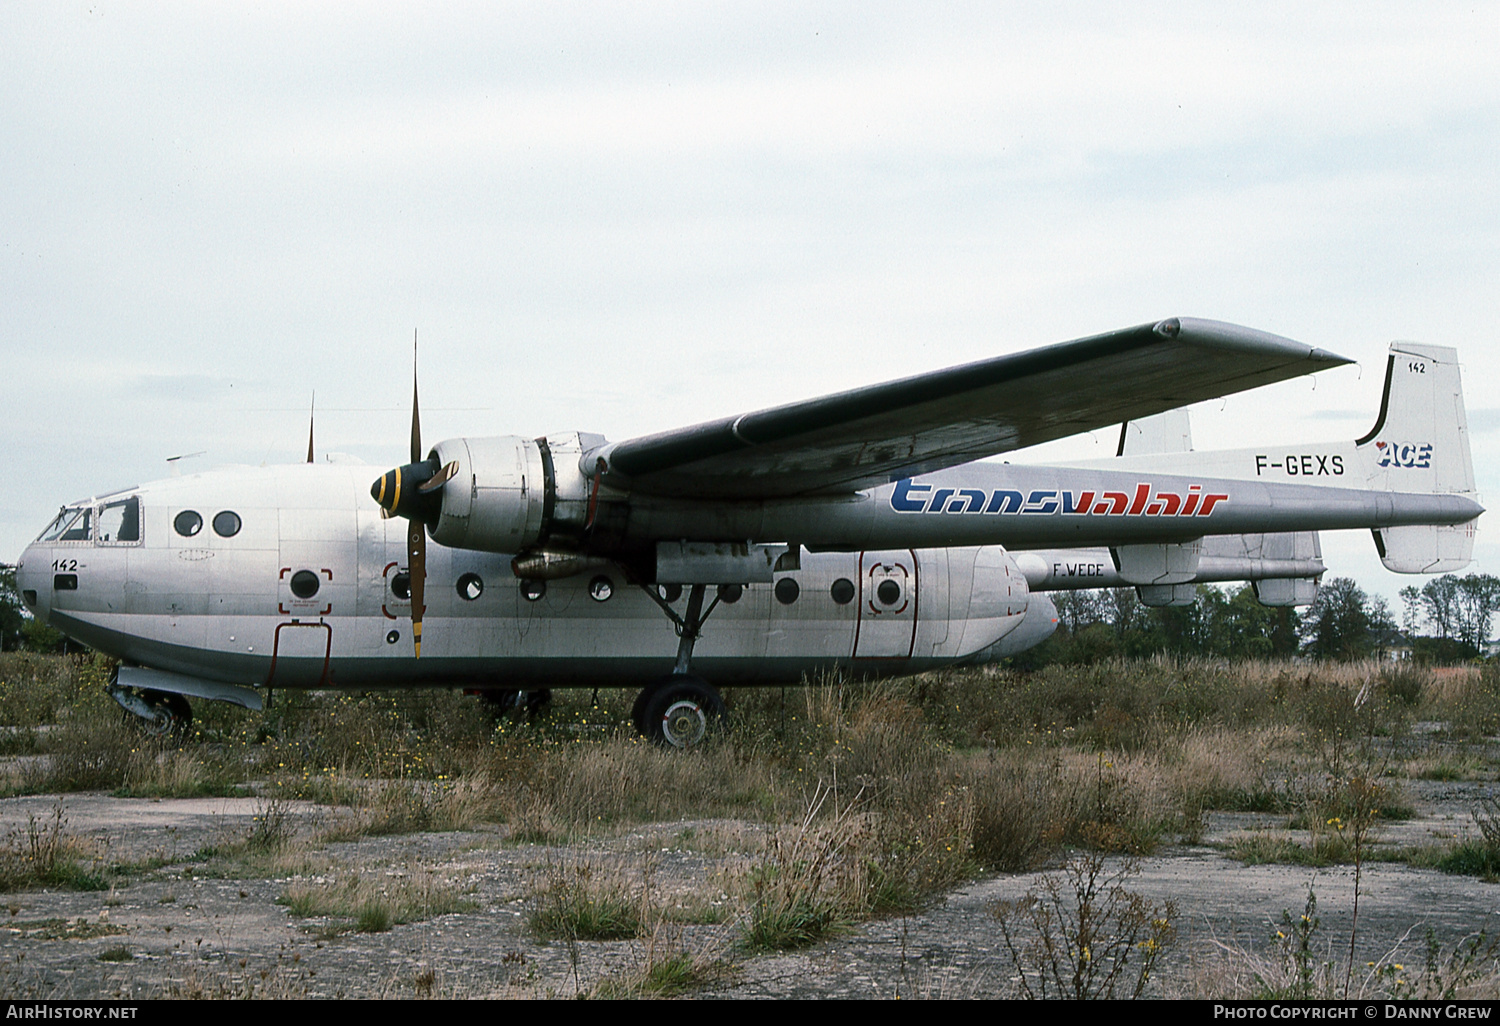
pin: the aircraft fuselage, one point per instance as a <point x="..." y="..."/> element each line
<point x="306" y="590"/>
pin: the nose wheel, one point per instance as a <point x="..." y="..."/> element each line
<point x="157" y="713"/>
<point x="678" y="711"/>
<point x="503" y="701"/>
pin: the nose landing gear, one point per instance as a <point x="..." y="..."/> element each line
<point x="157" y="713"/>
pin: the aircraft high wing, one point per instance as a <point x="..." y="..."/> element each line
<point x="885" y="466"/>
<point x="876" y="434"/>
<point x="869" y="436"/>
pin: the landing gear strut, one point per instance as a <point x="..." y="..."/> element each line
<point x="679" y="710"/>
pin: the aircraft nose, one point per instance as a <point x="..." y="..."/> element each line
<point x="31" y="581"/>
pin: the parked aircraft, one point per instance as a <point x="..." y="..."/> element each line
<point x="855" y="530"/>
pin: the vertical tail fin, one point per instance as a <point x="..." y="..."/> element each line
<point x="1419" y="446"/>
<point x="1163" y="433"/>
<point x="1420" y="443"/>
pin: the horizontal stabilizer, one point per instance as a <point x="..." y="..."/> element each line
<point x="1265" y="548"/>
<point x="1218" y="558"/>
<point x="1423" y="549"/>
<point x="1158" y="564"/>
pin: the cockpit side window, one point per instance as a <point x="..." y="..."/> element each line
<point x="120" y="522"/>
<point x="72" y="524"/>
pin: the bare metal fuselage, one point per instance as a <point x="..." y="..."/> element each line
<point x="224" y="608"/>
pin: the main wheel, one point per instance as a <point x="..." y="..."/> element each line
<point x="681" y="711"/>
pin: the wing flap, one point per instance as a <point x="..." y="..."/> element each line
<point x="867" y="436"/>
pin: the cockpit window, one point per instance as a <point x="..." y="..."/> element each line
<point x="59" y="523"/>
<point x="72" y="524"/>
<point x="120" y="522"/>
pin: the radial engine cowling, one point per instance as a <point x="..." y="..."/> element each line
<point x="497" y="501"/>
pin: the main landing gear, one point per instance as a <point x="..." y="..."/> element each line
<point x="680" y="709"/>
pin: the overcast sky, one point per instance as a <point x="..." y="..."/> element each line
<point x="630" y="217"/>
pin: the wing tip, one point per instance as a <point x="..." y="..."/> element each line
<point x="1237" y="336"/>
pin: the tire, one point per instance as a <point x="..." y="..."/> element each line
<point x="638" y="710"/>
<point x="174" y="716"/>
<point x="681" y="712"/>
<point x="498" y="700"/>
<point x="503" y="702"/>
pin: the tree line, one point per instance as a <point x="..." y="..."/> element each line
<point x="1447" y="619"/>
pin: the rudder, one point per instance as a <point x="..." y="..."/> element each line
<point x="1420" y="443"/>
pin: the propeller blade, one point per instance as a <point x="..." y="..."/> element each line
<point x="416" y="554"/>
<point x="440" y="478"/>
<point x="416" y="537"/>
<point x="406" y="492"/>
<point x="312" y="409"/>
<point x="416" y="421"/>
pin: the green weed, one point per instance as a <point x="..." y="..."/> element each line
<point x="365" y="905"/>
<point x="45" y="855"/>
<point x="1084" y="936"/>
<point x="589" y="901"/>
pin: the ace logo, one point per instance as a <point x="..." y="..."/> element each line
<point x="1403" y="454"/>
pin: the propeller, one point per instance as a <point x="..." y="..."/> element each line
<point x="410" y="491"/>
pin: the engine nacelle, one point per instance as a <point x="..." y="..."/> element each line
<point x="511" y="493"/>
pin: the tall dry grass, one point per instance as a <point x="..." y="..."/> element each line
<point x="965" y="768"/>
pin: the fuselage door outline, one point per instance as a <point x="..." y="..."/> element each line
<point x="888" y="598"/>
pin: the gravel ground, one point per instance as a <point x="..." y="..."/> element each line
<point x="176" y="930"/>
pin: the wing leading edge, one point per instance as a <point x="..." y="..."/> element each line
<point x="867" y="436"/>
